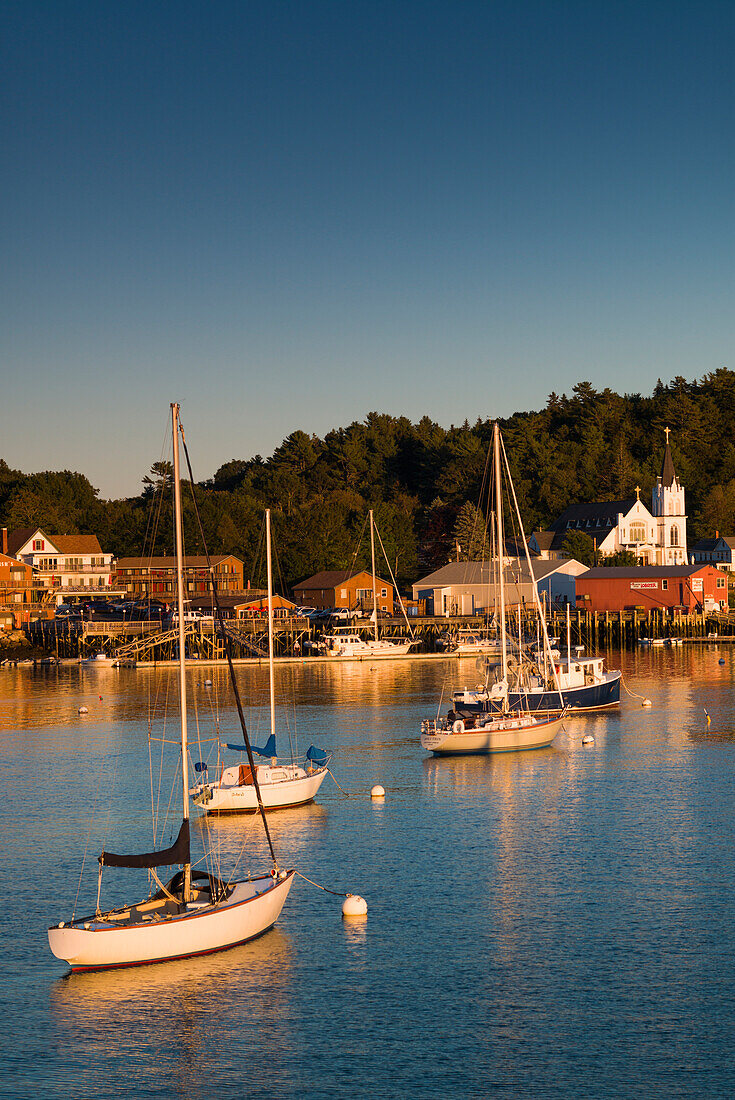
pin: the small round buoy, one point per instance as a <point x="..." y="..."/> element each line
<point x="82" y="710"/>
<point x="100" y="698"/>
<point x="588" y="739"/>
<point x="354" y="906"/>
<point x="722" y="660"/>
<point x="377" y="791"/>
<point x="207" y="683"/>
<point x="646" y="703"/>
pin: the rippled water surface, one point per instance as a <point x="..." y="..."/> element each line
<point x="555" y="923"/>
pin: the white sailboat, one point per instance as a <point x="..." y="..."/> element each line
<point x="504" y="728"/>
<point x="350" y="645"/>
<point x="195" y="913"/>
<point x="280" y="785"/>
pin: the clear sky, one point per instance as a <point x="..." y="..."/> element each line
<point x="285" y="215"/>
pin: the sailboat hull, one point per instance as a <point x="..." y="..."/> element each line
<point x="251" y="909"/>
<point x="507" y="734"/>
<point x="277" y="794"/>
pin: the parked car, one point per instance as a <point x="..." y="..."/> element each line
<point x="304" y="612"/>
<point x="341" y="614"/>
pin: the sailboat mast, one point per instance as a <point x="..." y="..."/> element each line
<point x="375" y="591"/>
<point x="270" y="618"/>
<point x="500" y="544"/>
<point x="182" y="632"/>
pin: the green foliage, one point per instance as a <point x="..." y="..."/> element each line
<point x="621" y="558"/>
<point x="418" y="478"/>
<point x="470" y="534"/>
<point x="580" y="546"/>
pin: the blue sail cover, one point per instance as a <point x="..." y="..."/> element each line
<point x="269" y="749"/>
<point x="317" y="756"/>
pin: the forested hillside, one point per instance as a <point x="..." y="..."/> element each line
<point x="590" y="446"/>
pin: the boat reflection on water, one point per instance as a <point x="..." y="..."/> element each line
<point x="95" y="995"/>
<point x="169" y="1020"/>
<point x="293" y="829"/>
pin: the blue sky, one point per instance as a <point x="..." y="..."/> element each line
<point x="286" y="215"/>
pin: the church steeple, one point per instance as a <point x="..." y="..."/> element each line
<point x="668" y="474"/>
<point x="667" y="506"/>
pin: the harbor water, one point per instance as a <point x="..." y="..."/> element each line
<point x="554" y="923"/>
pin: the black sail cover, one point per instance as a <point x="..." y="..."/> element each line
<point x="177" y="853"/>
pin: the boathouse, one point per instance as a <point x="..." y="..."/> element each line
<point x="468" y="587"/>
<point x="340" y="588"/>
<point x="688" y="588"/>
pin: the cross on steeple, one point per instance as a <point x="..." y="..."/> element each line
<point x="667" y="430"/>
<point x="637" y="492"/>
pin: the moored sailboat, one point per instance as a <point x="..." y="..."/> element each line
<point x="503" y="728"/>
<point x="195" y="913"/>
<point x="280" y="785"/>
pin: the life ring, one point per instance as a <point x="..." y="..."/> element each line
<point x="458" y="726"/>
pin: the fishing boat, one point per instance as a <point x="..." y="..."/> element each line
<point x="501" y="727"/>
<point x="280" y="784"/>
<point x="535" y="678"/>
<point x="470" y="643"/>
<point x="197" y="912"/>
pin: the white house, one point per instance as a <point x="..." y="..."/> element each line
<point x="64" y="564"/>
<point x="656" y="537"/>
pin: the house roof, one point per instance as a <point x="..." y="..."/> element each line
<point x="65" y="544"/>
<point x="622" y="572"/>
<point x="709" y="544"/>
<point x="18" y="539"/>
<point x="596" y="520"/>
<point x="77" y="544"/>
<point x="483" y="572"/>
<point x="543" y="539"/>
<point x="331" y="578"/>
<point x="191" y="561"/>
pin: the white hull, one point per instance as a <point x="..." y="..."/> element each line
<point x="506" y="734"/>
<point x="252" y="908"/>
<point x="355" y="648"/>
<point x="287" y="785"/>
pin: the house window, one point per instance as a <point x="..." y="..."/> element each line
<point x="343" y="593"/>
<point x="720" y="582"/>
<point x="38" y="544"/>
<point x="384" y="593"/>
<point x="665" y="585"/>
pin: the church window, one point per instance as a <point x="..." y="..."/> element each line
<point x="674" y="535"/>
<point x="637" y="532"/>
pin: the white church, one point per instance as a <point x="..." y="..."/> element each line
<point x="656" y="537"/>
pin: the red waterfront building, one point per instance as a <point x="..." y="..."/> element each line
<point x="686" y="588"/>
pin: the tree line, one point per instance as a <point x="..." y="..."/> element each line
<point x="423" y="482"/>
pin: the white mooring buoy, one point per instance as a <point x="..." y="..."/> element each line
<point x="377" y="791"/>
<point x="646" y="703"/>
<point x="354" y="906"/>
<point x="207" y="683"/>
<point x="588" y="739"/>
<point x="82" y="710"/>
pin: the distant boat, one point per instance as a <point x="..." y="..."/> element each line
<point x="280" y="784"/>
<point x="351" y="645"/>
<point x="195" y="913"/>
